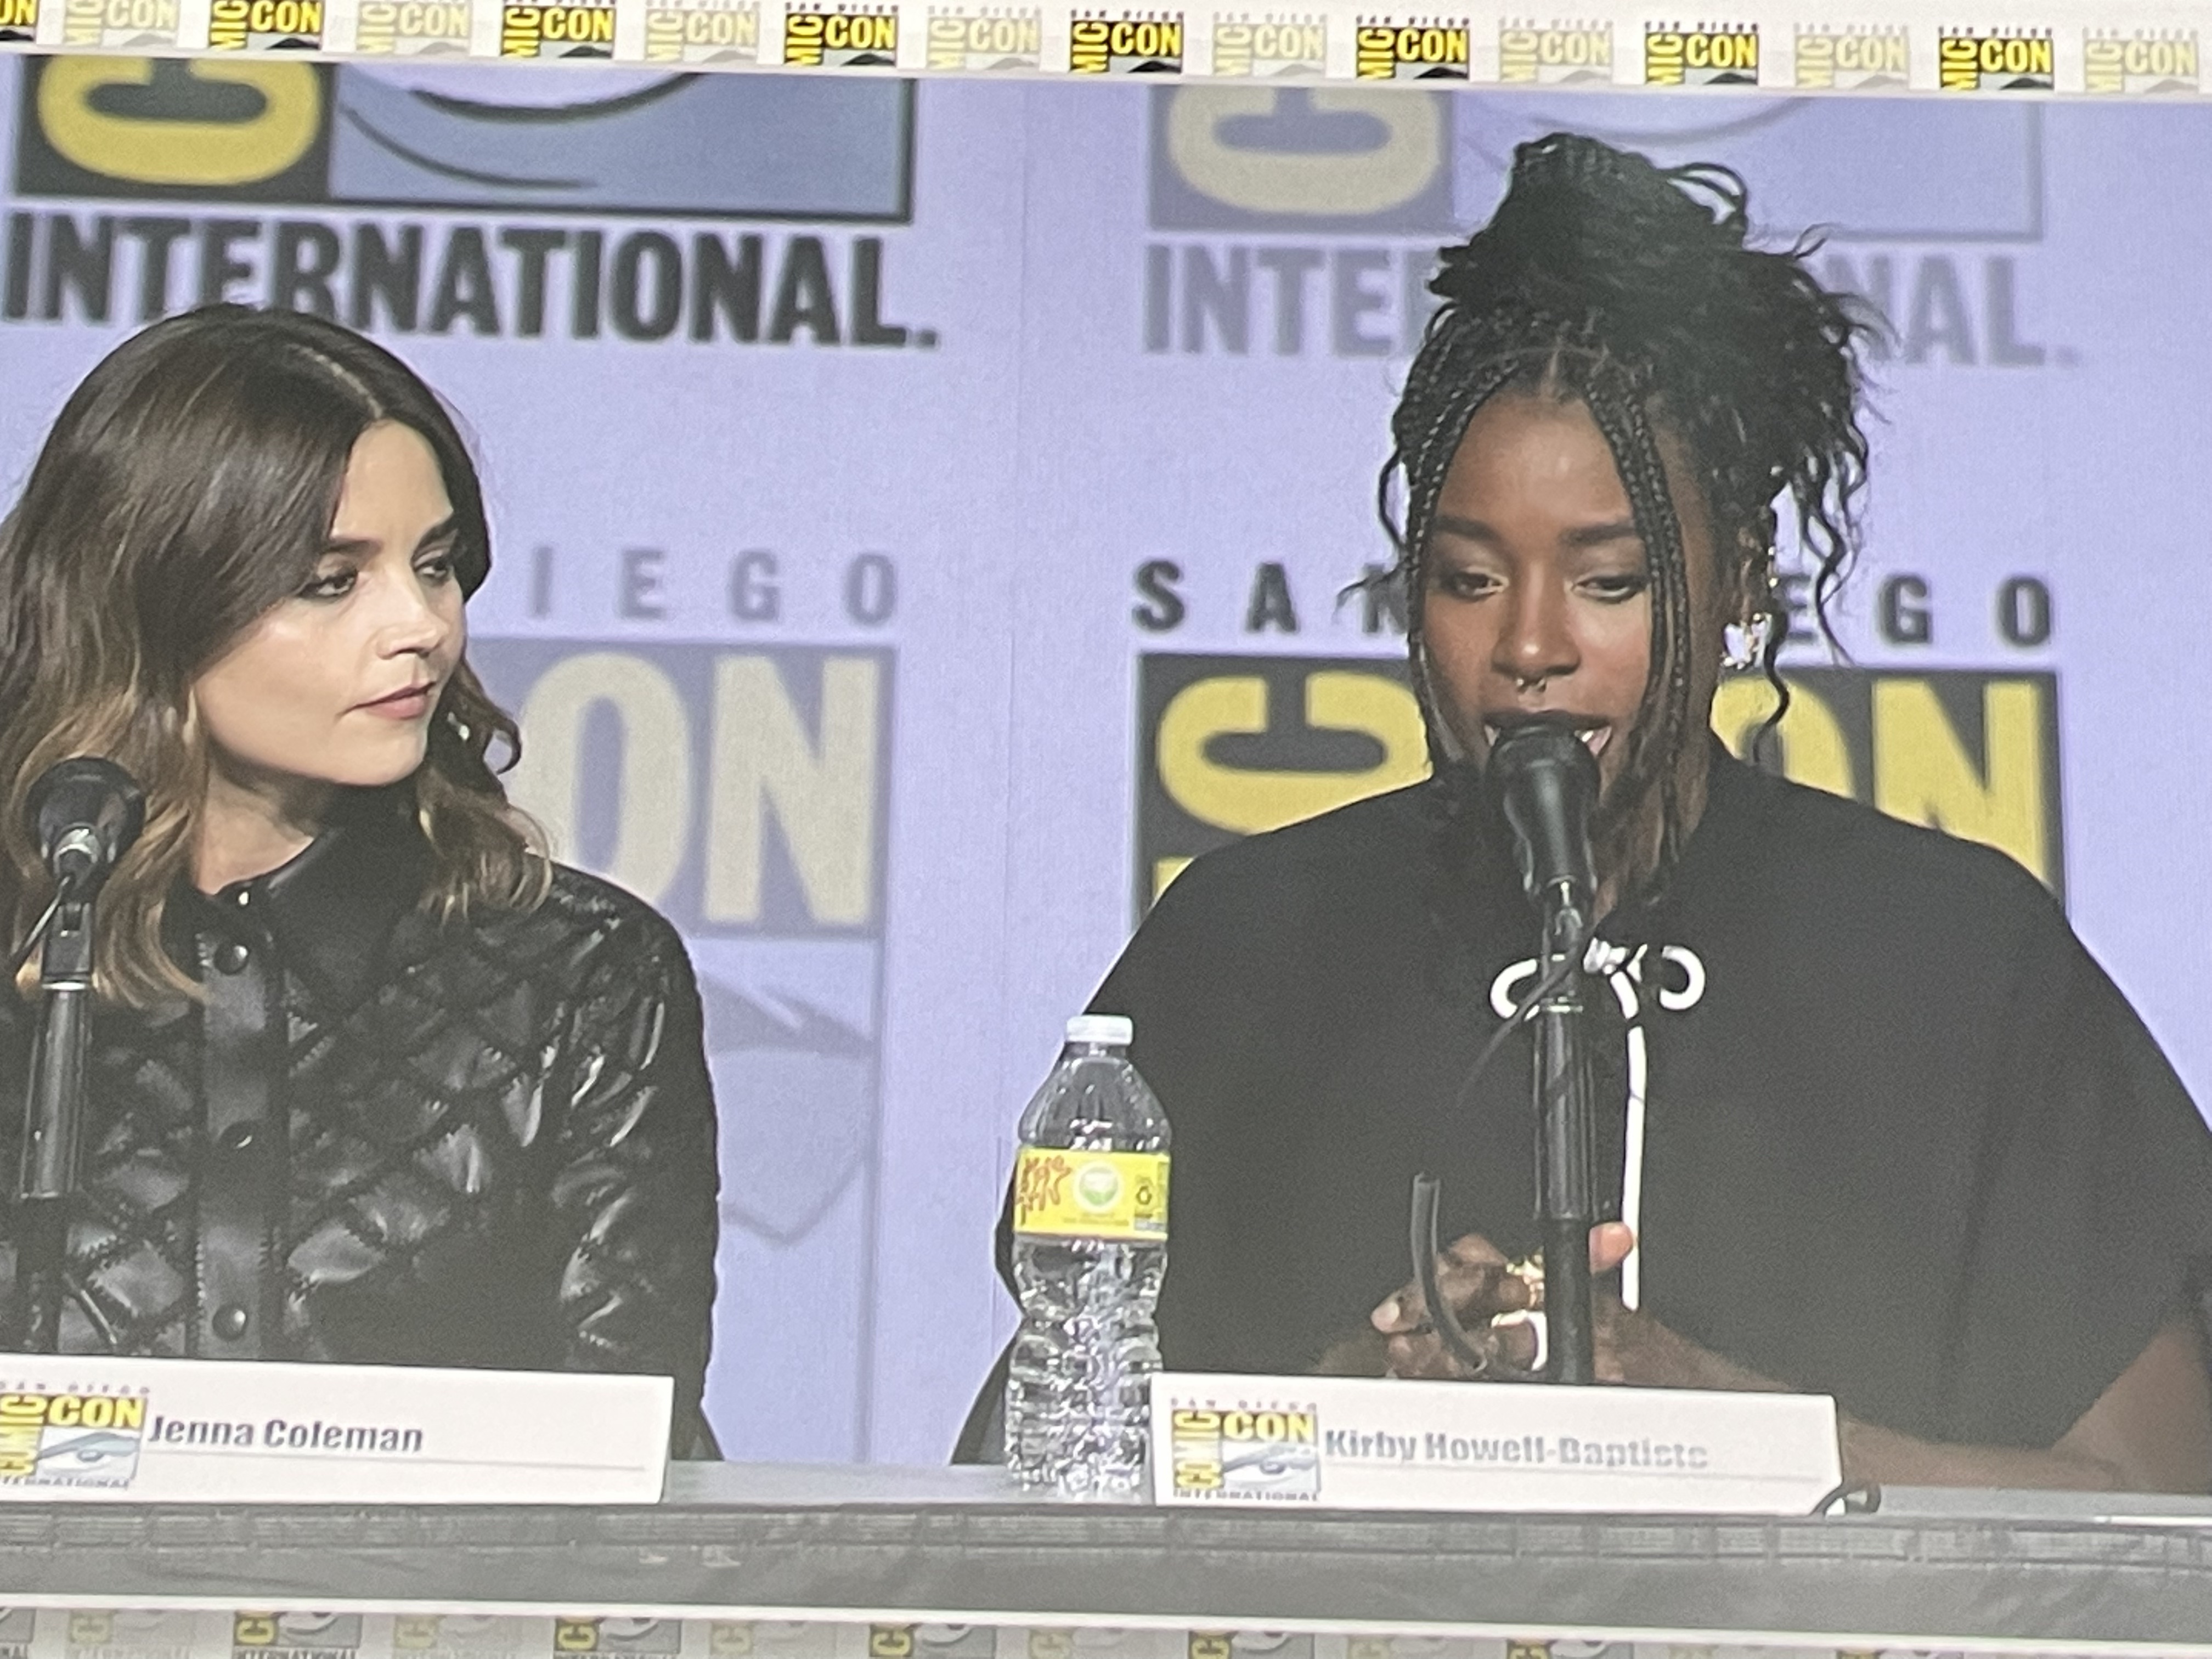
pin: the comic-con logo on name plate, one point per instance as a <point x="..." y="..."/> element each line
<point x="70" y="1439"/>
<point x="702" y="31"/>
<point x="2008" y="61"/>
<point x="295" y="1634"/>
<point x="2146" y="63"/>
<point x="1853" y="59"/>
<point x="1707" y="54"/>
<point x="845" y="37"/>
<point x="605" y="1639"/>
<point x="1124" y="43"/>
<point x="979" y="41"/>
<point x="1271" y="47"/>
<point x="265" y="25"/>
<point x="1418" y="49"/>
<point x="563" y="31"/>
<point x="1551" y="54"/>
<point x="412" y="28"/>
<point x="1267" y="1453"/>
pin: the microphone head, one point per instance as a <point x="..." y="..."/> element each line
<point x="84" y="813"/>
<point x="1545" y="781"/>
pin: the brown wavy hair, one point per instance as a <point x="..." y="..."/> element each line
<point x="189" y="484"/>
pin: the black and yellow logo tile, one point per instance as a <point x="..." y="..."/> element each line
<point x="995" y="38"/>
<point x="1269" y="48"/>
<point x="841" y="40"/>
<point x="263" y="1635"/>
<point x="265" y="25"/>
<point x="1236" y="745"/>
<point x="2146" y="63"/>
<point x="603" y="1638"/>
<point x="1435" y="49"/>
<point x="1704" y="57"/>
<point x="1271" y="1451"/>
<point x="407" y="28"/>
<point x="2024" y="62"/>
<point x="1530" y="55"/>
<point x="559" y="31"/>
<point x="1852" y="59"/>
<point x="1129" y="43"/>
<point x="70" y="1439"/>
<point x="19" y="20"/>
<point x="710" y="33"/>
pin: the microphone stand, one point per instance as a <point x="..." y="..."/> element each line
<point x="50" y="1118"/>
<point x="1566" y="1141"/>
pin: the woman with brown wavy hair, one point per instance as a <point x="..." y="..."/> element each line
<point x="372" y="1079"/>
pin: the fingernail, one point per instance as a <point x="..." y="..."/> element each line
<point x="1387" y="1315"/>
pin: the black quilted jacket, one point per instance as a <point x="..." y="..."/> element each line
<point x="382" y="1140"/>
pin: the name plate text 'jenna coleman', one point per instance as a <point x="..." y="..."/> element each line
<point x="1360" y="1443"/>
<point x="83" y="1429"/>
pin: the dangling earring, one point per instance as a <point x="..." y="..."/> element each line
<point x="1743" y="644"/>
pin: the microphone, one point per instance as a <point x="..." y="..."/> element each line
<point x="84" y="813"/>
<point x="1546" y="782"/>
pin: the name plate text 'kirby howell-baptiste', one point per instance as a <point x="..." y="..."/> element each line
<point x="1360" y="1443"/>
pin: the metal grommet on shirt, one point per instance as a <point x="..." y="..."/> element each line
<point x="231" y="957"/>
<point x="238" y="1138"/>
<point x="229" y="1322"/>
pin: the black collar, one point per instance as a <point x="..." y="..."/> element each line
<point x="328" y="912"/>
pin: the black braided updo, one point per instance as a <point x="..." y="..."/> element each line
<point x="1630" y="288"/>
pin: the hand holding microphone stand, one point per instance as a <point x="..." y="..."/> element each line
<point x="1546" y="781"/>
<point x="83" y="814"/>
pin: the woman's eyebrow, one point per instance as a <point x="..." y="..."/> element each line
<point x="1598" y="535"/>
<point x="361" y="546"/>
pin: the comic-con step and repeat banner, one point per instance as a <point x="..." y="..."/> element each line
<point x="66" y="1633"/>
<point x="927" y="514"/>
<point x="2145" y="48"/>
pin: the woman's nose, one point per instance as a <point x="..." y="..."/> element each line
<point x="1536" y="643"/>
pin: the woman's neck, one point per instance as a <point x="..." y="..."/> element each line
<point x="251" y="824"/>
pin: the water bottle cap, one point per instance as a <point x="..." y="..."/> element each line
<point x="1113" y="1029"/>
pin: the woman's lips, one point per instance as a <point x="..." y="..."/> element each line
<point x="411" y="704"/>
<point x="1594" y="737"/>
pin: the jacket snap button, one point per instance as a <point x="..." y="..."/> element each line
<point x="237" y="1138"/>
<point x="232" y="958"/>
<point x="230" y="1322"/>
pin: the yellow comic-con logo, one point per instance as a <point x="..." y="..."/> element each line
<point x="2022" y="62"/>
<point x="1706" y="56"/>
<point x="1146" y="43"/>
<point x="1431" y="49"/>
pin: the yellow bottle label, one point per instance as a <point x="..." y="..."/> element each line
<point x="1119" y="1196"/>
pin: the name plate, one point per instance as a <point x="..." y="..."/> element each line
<point x="80" y="1428"/>
<point x="1360" y="1443"/>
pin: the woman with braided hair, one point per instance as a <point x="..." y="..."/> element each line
<point x="1890" y="1132"/>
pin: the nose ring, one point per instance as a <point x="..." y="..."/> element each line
<point x="1520" y="683"/>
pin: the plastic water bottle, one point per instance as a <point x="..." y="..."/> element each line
<point x="1090" y="1245"/>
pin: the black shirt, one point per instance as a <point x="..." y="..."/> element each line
<point x="1906" y="1145"/>
<point x="378" y="1137"/>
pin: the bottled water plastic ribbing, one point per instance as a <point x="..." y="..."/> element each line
<point x="1090" y="1245"/>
